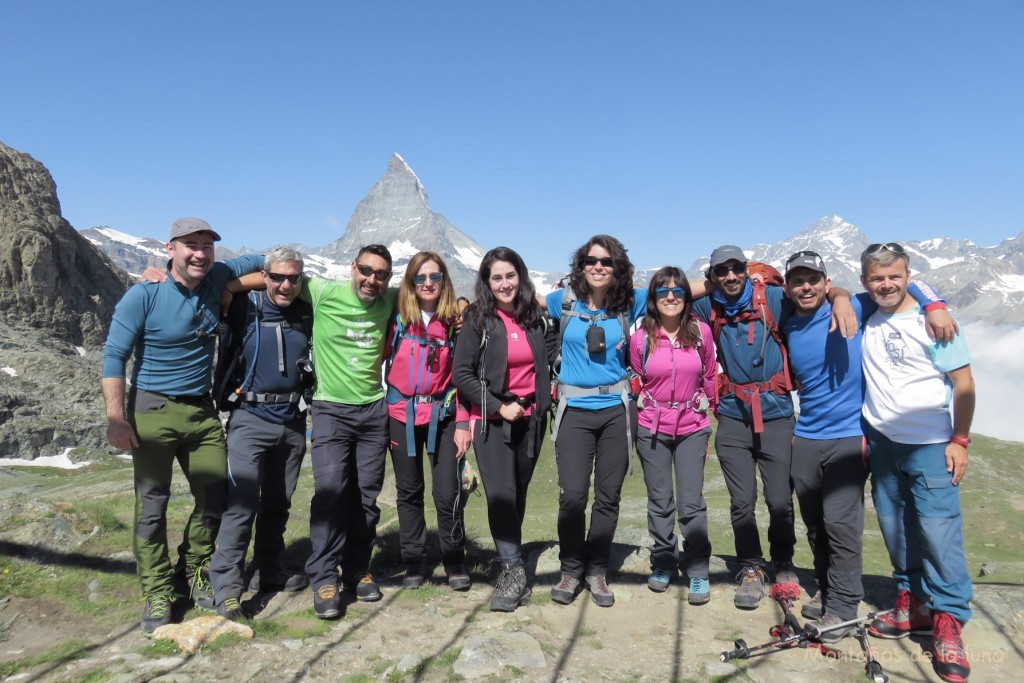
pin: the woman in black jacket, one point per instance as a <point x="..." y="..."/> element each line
<point x="502" y="374"/>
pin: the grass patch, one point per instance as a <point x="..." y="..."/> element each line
<point x="378" y="664"/>
<point x="96" y="676"/>
<point x="223" y="642"/>
<point x="444" y="660"/>
<point x="291" y="627"/>
<point x="58" y="656"/>
<point x="161" y="647"/>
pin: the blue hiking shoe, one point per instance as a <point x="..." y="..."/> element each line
<point x="700" y="591"/>
<point x="659" y="579"/>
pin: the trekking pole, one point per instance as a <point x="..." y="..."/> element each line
<point x="872" y="668"/>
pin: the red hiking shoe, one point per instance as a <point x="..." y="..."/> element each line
<point x="910" y="616"/>
<point x="949" y="658"/>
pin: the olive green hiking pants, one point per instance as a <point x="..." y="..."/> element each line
<point x="189" y="431"/>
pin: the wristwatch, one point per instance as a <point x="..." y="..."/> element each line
<point x="964" y="441"/>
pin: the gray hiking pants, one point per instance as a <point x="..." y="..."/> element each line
<point x="660" y="457"/>
<point x="350" y="445"/>
<point x="263" y="467"/>
<point x="828" y="477"/>
<point x="741" y="453"/>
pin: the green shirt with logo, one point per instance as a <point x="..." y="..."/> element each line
<point x="348" y="341"/>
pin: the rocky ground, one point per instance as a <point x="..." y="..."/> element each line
<point x="69" y="603"/>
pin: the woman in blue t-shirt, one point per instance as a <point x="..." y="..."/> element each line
<point x="595" y="309"/>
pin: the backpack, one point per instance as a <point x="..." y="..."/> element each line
<point x="441" y="405"/>
<point x="779" y="383"/>
<point x="229" y="387"/>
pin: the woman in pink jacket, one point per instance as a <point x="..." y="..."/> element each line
<point x="421" y="402"/>
<point x="674" y="355"/>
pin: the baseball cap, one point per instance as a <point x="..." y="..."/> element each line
<point x="184" y="227"/>
<point x="805" y="259"/>
<point x="727" y="252"/>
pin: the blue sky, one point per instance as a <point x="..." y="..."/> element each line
<point x="676" y="126"/>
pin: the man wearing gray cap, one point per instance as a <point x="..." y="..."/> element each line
<point x="755" y="416"/>
<point x="171" y="327"/>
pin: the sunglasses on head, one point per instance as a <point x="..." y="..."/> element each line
<point x="723" y="270"/>
<point x="888" y="246"/>
<point x="367" y="271"/>
<point x="663" y="292"/>
<point x="794" y="257"/>
<point x="422" y="279"/>
<point x="592" y="261"/>
<point x="281" y="277"/>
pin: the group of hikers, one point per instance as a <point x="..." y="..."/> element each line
<point x="875" y="373"/>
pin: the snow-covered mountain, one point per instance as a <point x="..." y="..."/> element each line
<point x="981" y="283"/>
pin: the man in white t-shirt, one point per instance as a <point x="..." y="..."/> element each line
<point x="917" y="459"/>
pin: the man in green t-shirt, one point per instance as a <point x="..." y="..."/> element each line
<point x="350" y="426"/>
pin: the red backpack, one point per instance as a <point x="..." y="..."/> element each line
<point x="779" y="383"/>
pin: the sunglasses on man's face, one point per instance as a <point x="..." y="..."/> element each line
<point x="723" y="270"/>
<point x="888" y="246"/>
<point x="367" y="271"/>
<point x="592" y="261"/>
<point x="281" y="277"/>
<point x="663" y="292"/>
<point x="420" y="280"/>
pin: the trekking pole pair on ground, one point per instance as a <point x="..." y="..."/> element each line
<point x="791" y="634"/>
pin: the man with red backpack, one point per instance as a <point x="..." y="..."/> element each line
<point x="755" y="415"/>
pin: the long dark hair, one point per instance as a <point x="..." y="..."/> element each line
<point x="620" y="293"/>
<point x="689" y="329"/>
<point x="526" y="312"/>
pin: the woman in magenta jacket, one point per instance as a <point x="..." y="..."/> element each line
<point x="674" y="356"/>
<point x="421" y="402"/>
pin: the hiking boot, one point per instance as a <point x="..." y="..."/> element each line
<point x="600" y="593"/>
<point x="752" y="580"/>
<point x="200" y="588"/>
<point x="156" y="613"/>
<point x="834" y="636"/>
<point x="949" y="658"/>
<point x="511" y="590"/>
<point x="659" y="579"/>
<point x="566" y="590"/>
<point x="277" y="580"/>
<point x="327" y="601"/>
<point x="909" y="616"/>
<point x="364" y="587"/>
<point x="458" y="577"/>
<point x="700" y="591"/>
<point x="785" y="572"/>
<point x="413" y="576"/>
<point x="231" y="609"/>
<point x="813" y="609"/>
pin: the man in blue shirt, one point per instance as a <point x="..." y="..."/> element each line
<point x="171" y="327"/>
<point x="755" y="420"/>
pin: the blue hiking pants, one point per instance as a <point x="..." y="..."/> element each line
<point x="919" y="513"/>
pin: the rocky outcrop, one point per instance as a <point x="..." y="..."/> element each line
<point x="51" y="277"/>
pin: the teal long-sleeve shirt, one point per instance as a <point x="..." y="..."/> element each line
<point x="171" y="331"/>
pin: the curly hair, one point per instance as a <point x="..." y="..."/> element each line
<point x="620" y="293"/>
<point x="408" y="304"/>
<point x="689" y="329"/>
<point x="526" y="312"/>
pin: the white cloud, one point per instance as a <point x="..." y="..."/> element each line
<point x="998" y="368"/>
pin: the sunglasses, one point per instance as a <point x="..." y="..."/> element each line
<point x="281" y="277"/>
<point x="888" y="246"/>
<point x="420" y="280"/>
<point x="794" y="257"/>
<point x="591" y="261"/>
<point x="367" y="271"/>
<point x="723" y="270"/>
<point x="663" y="292"/>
